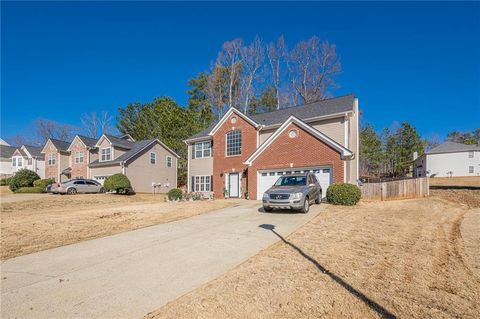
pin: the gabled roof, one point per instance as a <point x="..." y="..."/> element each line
<point x="227" y="115"/>
<point x="453" y="147"/>
<point x="329" y="107"/>
<point x="87" y="141"/>
<point x="59" y="145"/>
<point x="6" y="151"/>
<point x="127" y="137"/>
<point x="136" y="149"/>
<point x="34" y="151"/>
<point x="316" y="133"/>
<point x="117" y="141"/>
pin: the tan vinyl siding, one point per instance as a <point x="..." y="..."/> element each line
<point x="142" y="174"/>
<point x="117" y="152"/>
<point x="265" y="134"/>
<point x="198" y="166"/>
<point x="353" y="146"/>
<point x="105" y="171"/>
<point x="333" y="128"/>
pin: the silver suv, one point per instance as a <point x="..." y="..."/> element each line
<point x="75" y="186"/>
<point x="296" y="191"/>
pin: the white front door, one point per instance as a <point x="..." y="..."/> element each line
<point x="233" y="188"/>
<point x="266" y="179"/>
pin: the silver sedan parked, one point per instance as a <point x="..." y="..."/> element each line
<point x="75" y="186"/>
<point x="296" y="191"/>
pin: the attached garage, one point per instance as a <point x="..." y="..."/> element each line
<point x="266" y="178"/>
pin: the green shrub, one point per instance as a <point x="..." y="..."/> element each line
<point x="23" y="178"/>
<point x="43" y="183"/>
<point x="29" y="190"/>
<point x="118" y="183"/>
<point x="175" y="194"/>
<point x="5" y="181"/>
<point x="343" y="194"/>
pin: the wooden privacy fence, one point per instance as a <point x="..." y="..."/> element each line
<point x="405" y="188"/>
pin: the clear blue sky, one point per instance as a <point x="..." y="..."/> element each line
<point x="416" y="62"/>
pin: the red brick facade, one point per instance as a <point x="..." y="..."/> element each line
<point x="79" y="169"/>
<point x="304" y="150"/>
<point x="227" y="164"/>
<point x="51" y="171"/>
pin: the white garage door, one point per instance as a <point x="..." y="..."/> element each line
<point x="267" y="178"/>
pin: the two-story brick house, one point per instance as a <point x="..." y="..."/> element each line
<point x="57" y="159"/>
<point x="82" y="152"/>
<point x="242" y="156"/>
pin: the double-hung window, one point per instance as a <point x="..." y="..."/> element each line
<point x="234" y="143"/>
<point x="470" y="154"/>
<point x="79" y="157"/>
<point x="470" y="170"/>
<point x="203" y="149"/>
<point x="168" y="161"/>
<point x="153" y="158"/>
<point x="19" y="161"/>
<point x="14" y="161"/>
<point x="106" y="154"/>
<point x="202" y="183"/>
<point x="51" y="159"/>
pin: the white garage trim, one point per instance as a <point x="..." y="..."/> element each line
<point x="264" y="183"/>
<point x="292" y="119"/>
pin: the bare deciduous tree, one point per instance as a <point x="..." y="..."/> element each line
<point x="230" y="58"/>
<point x="312" y="66"/>
<point x="253" y="58"/>
<point x="277" y="54"/>
<point x="46" y="129"/>
<point x="92" y="123"/>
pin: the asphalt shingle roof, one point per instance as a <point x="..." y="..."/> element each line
<point x="60" y="145"/>
<point x="120" y="142"/>
<point x="34" y="150"/>
<point x="6" y="151"/>
<point x="321" y="108"/>
<point x="135" y="148"/>
<point x="451" y="147"/>
<point x="90" y="142"/>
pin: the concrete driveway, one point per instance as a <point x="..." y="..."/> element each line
<point x="130" y="274"/>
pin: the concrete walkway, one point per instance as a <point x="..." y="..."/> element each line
<point x="130" y="274"/>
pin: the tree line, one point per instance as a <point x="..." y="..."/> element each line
<point x="390" y="153"/>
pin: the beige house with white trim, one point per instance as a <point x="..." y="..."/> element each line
<point x="149" y="164"/>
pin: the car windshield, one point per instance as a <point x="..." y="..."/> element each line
<point x="291" y="181"/>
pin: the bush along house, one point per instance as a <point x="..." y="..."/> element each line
<point x="241" y="156"/>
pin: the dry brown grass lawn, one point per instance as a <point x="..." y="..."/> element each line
<point x="409" y="259"/>
<point x="455" y="181"/>
<point x="54" y="220"/>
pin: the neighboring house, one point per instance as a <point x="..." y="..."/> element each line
<point x="82" y="152"/>
<point x="242" y="156"/>
<point x="146" y="163"/>
<point x="57" y="159"/>
<point x="447" y="160"/>
<point x="29" y="157"/>
<point x="6" y="153"/>
<point x="3" y="142"/>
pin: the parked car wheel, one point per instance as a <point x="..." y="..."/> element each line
<point x="306" y="205"/>
<point x="318" y="200"/>
<point x="102" y="190"/>
<point x="72" y="191"/>
<point x="267" y="209"/>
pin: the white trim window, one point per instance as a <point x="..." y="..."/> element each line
<point x="234" y="143"/>
<point x="203" y="183"/>
<point x="106" y="154"/>
<point x="168" y="161"/>
<point x="470" y="154"/>
<point x="470" y="170"/>
<point x="153" y="158"/>
<point x="79" y="157"/>
<point x="14" y="161"/>
<point x="19" y="161"/>
<point x="52" y="159"/>
<point x="203" y="149"/>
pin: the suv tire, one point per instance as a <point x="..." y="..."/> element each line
<point x="267" y="209"/>
<point x="318" y="200"/>
<point x="306" y="206"/>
